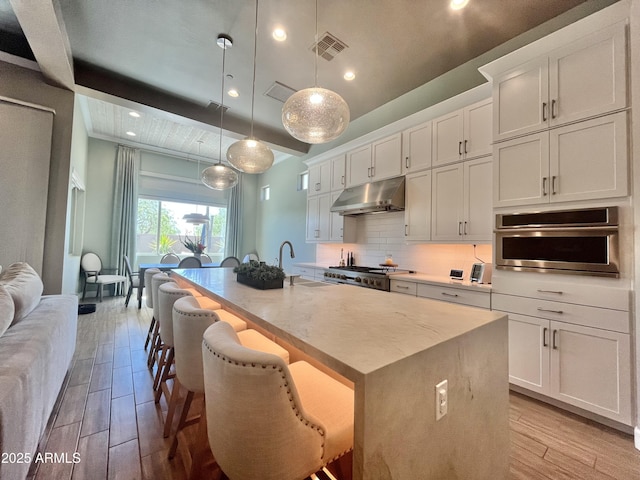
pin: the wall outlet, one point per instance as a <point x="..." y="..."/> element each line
<point x="442" y="399"/>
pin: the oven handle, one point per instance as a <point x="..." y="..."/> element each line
<point x="559" y="229"/>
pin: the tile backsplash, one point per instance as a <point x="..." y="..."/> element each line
<point x="383" y="234"/>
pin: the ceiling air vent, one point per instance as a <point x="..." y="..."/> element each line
<point x="279" y="91"/>
<point x="328" y="46"/>
<point x="215" y="106"/>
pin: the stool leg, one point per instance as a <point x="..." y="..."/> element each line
<point x="164" y="374"/>
<point x="150" y="332"/>
<point x="174" y="401"/>
<point x="201" y="447"/>
<point x="183" y="419"/>
<point x="155" y="344"/>
<point x="161" y="362"/>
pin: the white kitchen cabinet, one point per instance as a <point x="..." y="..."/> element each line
<point x="341" y="228"/>
<point x="318" y="217"/>
<point x="583" y="161"/>
<point x="452" y="294"/>
<point x="461" y="201"/>
<point x="338" y="173"/>
<point x="416" y="148"/>
<point x="417" y="213"/>
<point x="583" y="79"/>
<point x="319" y="178"/>
<point x="576" y="353"/>
<point x="402" y="286"/>
<point x="462" y="134"/>
<point x="377" y="161"/>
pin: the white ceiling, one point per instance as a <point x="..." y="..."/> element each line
<point x="159" y="57"/>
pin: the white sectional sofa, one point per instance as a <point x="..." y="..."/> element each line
<point x="37" y="343"/>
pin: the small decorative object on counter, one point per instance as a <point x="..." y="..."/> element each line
<point x="388" y="259"/>
<point x="260" y="275"/>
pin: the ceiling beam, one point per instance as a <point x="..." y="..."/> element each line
<point x="101" y="84"/>
<point x="42" y="24"/>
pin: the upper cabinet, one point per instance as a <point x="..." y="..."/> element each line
<point x="462" y="134"/>
<point x="338" y="173"/>
<point x="583" y="79"/>
<point x="319" y="178"/>
<point x="416" y="148"/>
<point x="376" y="161"/>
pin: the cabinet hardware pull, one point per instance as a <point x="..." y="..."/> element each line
<point x="317" y="186"/>
<point x="406" y="228"/>
<point x="465" y="228"/>
<point x="369" y="172"/>
<point x="559" y="312"/>
<point x="544" y="337"/>
<point x="459" y="228"/>
<point x="342" y="179"/>
<point x="317" y="233"/>
<point x="373" y="171"/>
<point x="406" y="162"/>
<point x="402" y="286"/>
<point x="460" y="148"/>
<point x="558" y="292"/>
<point x="553" y="184"/>
<point x="449" y="294"/>
<point x="544" y="186"/>
<point x="465" y="146"/>
<point x="544" y="111"/>
<point x="555" y="345"/>
<point x="553" y="108"/>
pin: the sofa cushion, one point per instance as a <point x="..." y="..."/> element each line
<point x="25" y="287"/>
<point x="7" y="309"/>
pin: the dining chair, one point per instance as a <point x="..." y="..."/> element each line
<point x="230" y="262"/>
<point x="250" y="256"/>
<point x="91" y="266"/>
<point x="170" y="258"/>
<point x="298" y="419"/>
<point x="204" y="258"/>
<point x="134" y="279"/>
<point x="190" y="262"/>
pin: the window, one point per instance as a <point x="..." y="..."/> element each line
<point x="303" y="181"/>
<point x="265" y="193"/>
<point x="161" y="228"/>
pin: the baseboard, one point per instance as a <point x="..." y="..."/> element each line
<point x="636" y="438"/>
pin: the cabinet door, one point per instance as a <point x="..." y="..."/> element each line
<point x="521" y="171"/>
<point x="478" y="134"/>
<point x="447" y="138"/>
<point x="342" y="229"/>
<point x="478" y="198"/>
<point x="588" y="77"/>
<point x="319" y="178"/>
<point x="520" y="100"/>
<point x="338" y="173"/>
<point x="446" y="201"/>
<point x="417" y="213"/>
<point x="359" y="166"/>
<point x="387" y="157"/>
<point x="590" y="368"/>
<point x="313" y="218"/>
<point x="324" y="216"/>
<point x="529" y="352"/>
<point x="416" y="148"/>
<point x="588" y="160"/>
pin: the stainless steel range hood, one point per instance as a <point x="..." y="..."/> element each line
<point x="382" y="196"/>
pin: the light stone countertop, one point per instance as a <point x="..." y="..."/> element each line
<point x="352" y="330"/>
<point x="441" y="281"/>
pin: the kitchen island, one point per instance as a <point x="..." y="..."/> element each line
<point x="394" y="349"/>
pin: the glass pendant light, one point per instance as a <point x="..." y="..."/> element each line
<point x="250" y="155"/>
<point x="315" y="115"/>
<point x="219" y="176"/>
<point x="196" y="218"/>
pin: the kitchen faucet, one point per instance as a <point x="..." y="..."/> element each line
<point x="293" y="255"/>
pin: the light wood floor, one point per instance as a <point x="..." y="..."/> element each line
<point x="107" y="415"/>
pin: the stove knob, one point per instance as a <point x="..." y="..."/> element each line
<point x="327" y="274"/>
<point x="378" y="283"/>
<point x="358" y="279"/>
<point x="365" y="281"/>
<point x="343" y="277"/>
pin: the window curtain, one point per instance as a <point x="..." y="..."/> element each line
<point x="234" y="221"/>
<point x="123" y="227"/>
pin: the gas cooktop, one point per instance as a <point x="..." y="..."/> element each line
<point x="370" y="277"/>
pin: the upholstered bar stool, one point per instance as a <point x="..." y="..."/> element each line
<point x="298" y="418"/>
<point x="156" y="342"/>
<point x="189" y="324"/>
<point x="148" y="274"/>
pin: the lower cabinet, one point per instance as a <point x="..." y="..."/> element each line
<point x="445" y="293"/>
<point x="308" y="273"/>
<point x="582" y="366"/>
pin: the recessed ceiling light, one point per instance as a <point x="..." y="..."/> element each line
<point x="134" y="114"/>
<point x="233" y="93"/>
<point x="349" y="76"/>
<point x="279" y="34"/>
<point x="131" y="134"/>
<point x="458" y="4"/>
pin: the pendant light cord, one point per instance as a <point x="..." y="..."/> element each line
<point x="224" y="54"/>
<point x="315" y="78"/>
<point x="255" y="50"/>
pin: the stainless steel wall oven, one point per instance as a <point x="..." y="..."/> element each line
<point x="579" y="242"/>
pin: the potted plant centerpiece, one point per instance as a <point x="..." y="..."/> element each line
<point x="260" y="275"/>
<point x="193" y="246"/>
